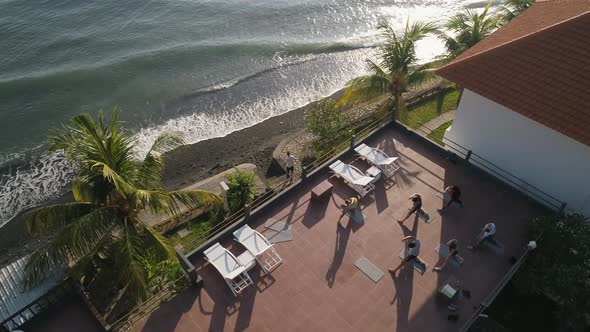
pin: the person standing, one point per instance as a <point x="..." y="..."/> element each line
<point x="290" y="166"/>
<point x="416" y="205"/>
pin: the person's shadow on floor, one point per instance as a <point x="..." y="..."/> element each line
<point x="410" y="231"/>
<point x="403" y="283"/>
<point x="342" y="235"/>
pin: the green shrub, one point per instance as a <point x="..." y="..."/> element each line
<point x="162" y="273"/>
<point x="560" y="267"/>
<point x="241" y="189"/>
<point x="325" y="119"/>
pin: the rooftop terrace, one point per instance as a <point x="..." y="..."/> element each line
<point x="318" y="287"/>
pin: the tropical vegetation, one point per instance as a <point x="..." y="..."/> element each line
<point x="560" y="267"/>
<point x="512" y="8"/>
<point x="467" y="28"/>
<point x="241" y="189"/>
<point x="101" y="232"/>
<point x="325" y="118"/>
<point x="397" y="70"/>
<point x="198" y="229"/>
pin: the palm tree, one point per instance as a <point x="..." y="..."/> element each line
<point x="398" y="69"/>
<point x="512" y="8"/>
<point x="101" y="231"/>
<point x="467" y="28"/>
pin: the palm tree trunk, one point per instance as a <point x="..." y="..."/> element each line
<point x="401" y="109"/>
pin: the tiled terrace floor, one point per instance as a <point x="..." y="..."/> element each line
<point x="318" y="288"/>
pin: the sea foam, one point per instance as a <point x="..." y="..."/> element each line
<point x="294" y="81"/>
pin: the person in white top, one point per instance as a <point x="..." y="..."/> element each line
<point x="289" y="165"/>
<point x="487" y="232"/>
<point x="411" y="252"/>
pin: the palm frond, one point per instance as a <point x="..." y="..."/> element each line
<point x="123" y="187"/>
<point x="87" y="188"/>
<point x="73" y="242"/>
<point x="150" y="172"/>
<point x="366" y="87"/>
<point x="418" y="30"/>
<point x="196" y="198"/>
<point x="420" y="74"/>
<point x="398" y="53"/>
<point x="157" y="202"/>
<point x="467" y="28"/>
<point x="512" y="8"/>
<point x="129" y="263"/>
<point x="167" y="141"/>
<point x="87" y="143"/>
<point x="158" y="246"/>
<point x="53" y="217"/>
<point x="85" y="266"/>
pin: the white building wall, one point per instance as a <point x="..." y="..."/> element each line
<point x="542" y="157"/>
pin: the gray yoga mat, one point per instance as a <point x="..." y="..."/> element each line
<point x="425" y="216"/>
<point x="369" y="269"/>
<point x="494" y="245"/>
<point x="415" y="265"/>
<point x="277" y="237"/>
<point x="443" y="250"/>
<point x="445" y="197"/>
<point x="277" y="225"/>
<point x="356" y="215"/>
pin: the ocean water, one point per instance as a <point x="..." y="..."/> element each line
<point x="203" y="67"/>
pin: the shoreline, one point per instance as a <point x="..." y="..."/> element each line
<point x="193" y="163"/>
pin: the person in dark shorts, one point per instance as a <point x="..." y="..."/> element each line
<point x="416" y="205"/>
<point x="412" y="252"/>
<point x="453" y="251"/>
<point x="455" y="193"/>
<point x="289" y="165"/>
<point x="351" y="205"/>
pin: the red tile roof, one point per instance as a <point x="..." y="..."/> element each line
<point x="537" y="65"/>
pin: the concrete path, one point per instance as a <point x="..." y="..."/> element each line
<point x="431" y="125"/>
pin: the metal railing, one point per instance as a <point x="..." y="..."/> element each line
<point x="491" y="168"/>
<point x="362" y="132"/>
<point x="172" y="288"/>
<point x="32" y="310"/>
<point x="478" y="313"/>
<point x="343" y="146"/>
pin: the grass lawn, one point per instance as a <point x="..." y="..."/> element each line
<point x="438" y="133"/>
<point x="431" y="107"/>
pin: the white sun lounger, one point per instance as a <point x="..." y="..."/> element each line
<point x="378" y="158"/>
<point x="361" y="183"/>
<point x="229" y="267"/>
<point x="260" y="247"/>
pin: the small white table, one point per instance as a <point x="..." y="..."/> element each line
<point x="375" y="173"/>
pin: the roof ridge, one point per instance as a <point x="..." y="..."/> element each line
<point x="516" y="39"/>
